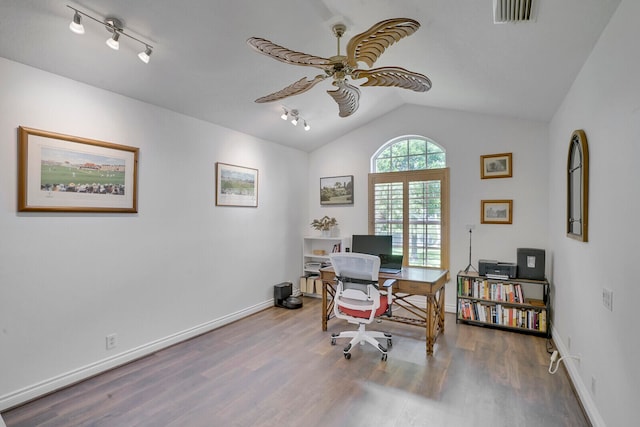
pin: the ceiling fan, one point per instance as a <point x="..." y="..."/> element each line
<point x="365" y="47"/>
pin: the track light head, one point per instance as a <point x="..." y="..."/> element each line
<point x="144" y="56"/>
<point x="285" y="115"/>
<point x="294" y="119"/>
<point x="113" y="42"/>
<point x="113" y="25"/>
<point x="76" y="25"/>
<point x="306" y="126"/>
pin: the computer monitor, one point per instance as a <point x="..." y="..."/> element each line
<point x="372" y="245"/>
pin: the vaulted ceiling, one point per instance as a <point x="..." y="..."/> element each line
<point x="201" y="65"/>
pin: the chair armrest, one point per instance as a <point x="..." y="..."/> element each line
<point x="388" y="283"/>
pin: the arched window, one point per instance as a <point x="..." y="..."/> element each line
<point x="408" y="153"/>
<point x="409" y="199"/>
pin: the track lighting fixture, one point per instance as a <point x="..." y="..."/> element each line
<point x="115" y="27"/>
<point x="295" y="117"/>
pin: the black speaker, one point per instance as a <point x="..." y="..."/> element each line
<point x="531" y="263"/>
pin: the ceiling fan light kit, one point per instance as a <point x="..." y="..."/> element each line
<point x="365" y="47"/>
<point x="113" y="26"/>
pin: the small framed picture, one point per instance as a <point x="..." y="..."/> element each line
<point x="496" y="166"/>
<point x="336" y="190"/>
<point x="236" y="185"/>
<point x="496" y="211"/>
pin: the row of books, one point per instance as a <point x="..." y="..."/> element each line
<point x="497" y="314"/>
<point x="495" y="291"/>
<point x="311" y="284"/>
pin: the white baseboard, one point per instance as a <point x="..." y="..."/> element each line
<point x="583" y="392"/>
<point x="31" y="392"/>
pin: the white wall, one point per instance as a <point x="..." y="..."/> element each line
<point x="465" y="137"/>
<point x="175" y="269"/>
<point x="605" y="102"/>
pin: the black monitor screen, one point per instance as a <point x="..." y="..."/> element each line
<point x="372" y="245"/>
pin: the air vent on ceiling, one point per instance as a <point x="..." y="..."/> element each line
<point x="514" y="11"/>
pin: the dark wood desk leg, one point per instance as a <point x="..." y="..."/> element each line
<point x="324" y="305"/>
<point x="441" y="310"/>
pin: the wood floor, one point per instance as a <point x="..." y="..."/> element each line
<point x="278" y="368"/>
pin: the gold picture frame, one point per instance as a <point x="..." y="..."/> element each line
<point x="64" y="173"/>
<point x="496" y="166"/>
<point x="496" y="211"/>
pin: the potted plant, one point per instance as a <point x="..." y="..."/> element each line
<point x="324" y="224"/>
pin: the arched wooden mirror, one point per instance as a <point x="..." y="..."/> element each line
<point x="578" y="187"/>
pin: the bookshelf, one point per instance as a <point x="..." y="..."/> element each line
<point x="520" y="305"/>
<point x="315" y="255"/>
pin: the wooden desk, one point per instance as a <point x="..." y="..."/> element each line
<point x="411" y="281"/>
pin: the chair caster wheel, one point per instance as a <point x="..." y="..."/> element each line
<point x="389" y="343"/>
<point x="384" y="357"/>
<point x="347" y="356"/>
<point x="333" y="341"/>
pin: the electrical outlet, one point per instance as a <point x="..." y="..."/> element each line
<point x="112" y="341"/>
<point x="607" y="298"/>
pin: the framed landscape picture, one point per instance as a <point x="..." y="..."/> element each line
<point x="496" y="166"/>
<point x="336" y="190"/>
<point x="63" y="173"/>
<point x="236" y="185"/>
<point x="496" y="211"/>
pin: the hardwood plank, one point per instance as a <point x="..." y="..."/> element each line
<point x="278" y="368"/>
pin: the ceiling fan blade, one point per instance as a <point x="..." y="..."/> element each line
<point x="287" y="56"/>
<point x="347" y="97"/>
<point x="393" y="76"/>
<point x="369" y="45"/>
<point x="296" y="88"/>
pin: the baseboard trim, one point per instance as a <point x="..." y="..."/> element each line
<point x="34" y="391"/>
<point x="579" y="386"/>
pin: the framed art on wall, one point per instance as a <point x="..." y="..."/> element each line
<point x="496" y="211"/>
<point x="496" y="166"/>
<point x="236" y="185"/>
<point x="336" y="190"/>
<point x="63" y="173"/>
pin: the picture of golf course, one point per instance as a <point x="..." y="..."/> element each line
<point x="72" y="171"/>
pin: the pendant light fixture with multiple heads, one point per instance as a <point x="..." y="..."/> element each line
<point x="295" y="118"/>
<point x="115" y="27"/>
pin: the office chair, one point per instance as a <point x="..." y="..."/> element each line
<point x="358" y="299"/>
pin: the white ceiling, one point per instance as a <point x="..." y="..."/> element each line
<point x="202" y="67"/>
